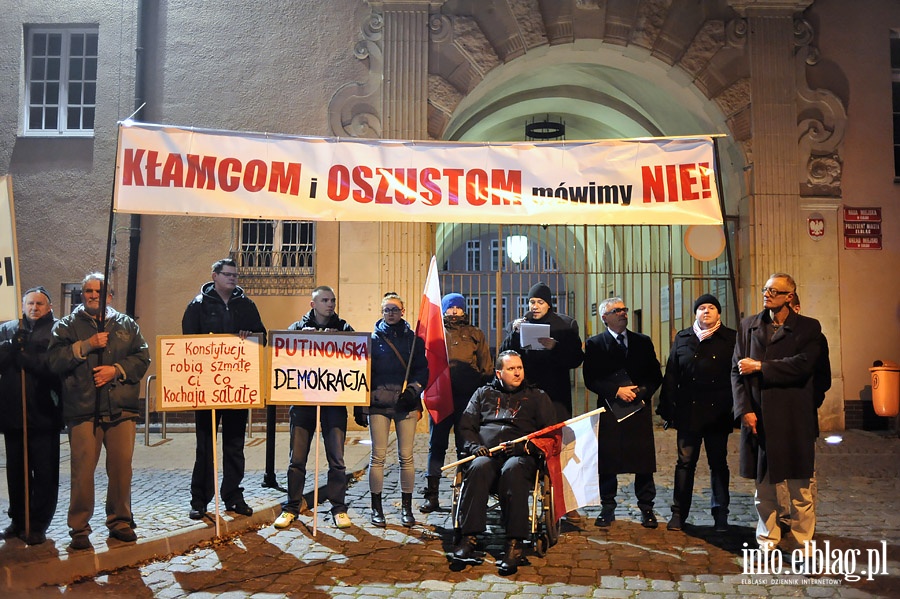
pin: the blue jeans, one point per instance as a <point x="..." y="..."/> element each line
<point x="334" y="434"/>
<point x="379" y="429"/>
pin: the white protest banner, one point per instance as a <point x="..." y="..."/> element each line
<point x="10" y="301"/>
<point x="175" y="170"/>
<point x="200" y="372"/>
<point x="319" y="368"/>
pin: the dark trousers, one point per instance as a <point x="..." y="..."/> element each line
<point x="334" y="435"/>
<point x="439" y="441"/>
<point x="43" y="477"/>
<point x="688" y="454"/>
<point x="234" y="427"/>
<point x="514" y="478"/>
<point x="644" y="490"/>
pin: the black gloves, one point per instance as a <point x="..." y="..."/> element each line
<point x="360" y="417"/>
<point x="480" y="450"/>
<point x="514" y="449"/>
<point x="409" y="400"/>
<point x="21" y="338"/>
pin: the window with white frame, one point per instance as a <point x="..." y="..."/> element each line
<point x="504" y="314"/>
<point x="548" y="261"/>
<point x="281" y="245"/>
<point x="473" y="309"/>
<point x="60" y="80"/>
<point x="496" y="255"/>
<point x="523" y="306"/>
<point x="473" y="255"/>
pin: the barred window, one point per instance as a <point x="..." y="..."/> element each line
<point x="473" y="255"/>
<point x="61" y="80"/>
<point x="280" y="245"/>
<point x="473" y="308"/>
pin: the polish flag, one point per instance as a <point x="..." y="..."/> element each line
<point x="430" y="329"/>
<point x="570" y="451"/>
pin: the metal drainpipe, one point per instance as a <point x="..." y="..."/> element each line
<point x="134" y="237"/>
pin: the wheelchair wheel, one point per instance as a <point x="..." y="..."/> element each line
<point x="551" y="525"/>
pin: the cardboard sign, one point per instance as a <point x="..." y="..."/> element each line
<point x="319" y="368"/>
<point x="202" y="372"/>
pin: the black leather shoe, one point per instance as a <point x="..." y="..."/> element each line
<point x="80" y="543"/>
<point x="11" y="532"/>
<point x="126" y="535"/>
<point x="513" y="558"/>
<point x="35" y="537"/>
<point x="606" y="518"/>
<point x="675" y="522"/>
<point x="197" y="514"/>
<point x="465" y="550"/>
<point x="721" y="523"/>
<point x="240" y="507"/>
<point x="648" y="519"/>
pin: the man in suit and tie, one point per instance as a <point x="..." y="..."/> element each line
<point x="611" y="358"/>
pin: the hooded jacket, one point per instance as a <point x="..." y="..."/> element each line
<point x="388" y="372"/>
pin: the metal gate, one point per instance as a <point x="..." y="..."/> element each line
<point x="494" y="266"/>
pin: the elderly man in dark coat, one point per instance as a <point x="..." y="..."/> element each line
<point x="626" y="446"/>
<point x="772" y="377"/>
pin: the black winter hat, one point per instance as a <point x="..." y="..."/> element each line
<point x="542" y="291"/>
<point x="707" y="299"/>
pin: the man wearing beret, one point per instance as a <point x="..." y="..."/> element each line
<point x="696" y="399"/>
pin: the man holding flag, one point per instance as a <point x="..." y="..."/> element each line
<point x="470" y="367"/>
<point x="498" y="413"/>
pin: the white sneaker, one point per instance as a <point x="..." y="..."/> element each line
<point x="342" y="520"/>
<point x="284" y="520"/>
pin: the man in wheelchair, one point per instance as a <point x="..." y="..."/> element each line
<point x="506" y="409"/>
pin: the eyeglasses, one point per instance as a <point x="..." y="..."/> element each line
<point x="230" y="275"/>
<point x="392" y="310"/>
<point x="618" y="311"/>
<point x="771" y="291"/>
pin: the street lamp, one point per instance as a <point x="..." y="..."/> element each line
<point x="517" y="248"/>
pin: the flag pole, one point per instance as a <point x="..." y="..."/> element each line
<point x="543" y="431"/>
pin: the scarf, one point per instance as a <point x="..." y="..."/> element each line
<point x="701" y="334"/>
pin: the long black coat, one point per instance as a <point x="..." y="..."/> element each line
<point x="548" y="369"/>
<point x="625" y="446"/>
<point x="781" y="395"/>
<point x="696" y="392"/>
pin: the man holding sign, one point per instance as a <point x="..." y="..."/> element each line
<point x="101" y="359"/>
<point x="221" y="307"/>
<point x="321" y="317"/>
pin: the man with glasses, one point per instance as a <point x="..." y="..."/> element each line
<point x="622" y="365"/>
<point x="772" y="377"/>
<point x="221" y="307"/>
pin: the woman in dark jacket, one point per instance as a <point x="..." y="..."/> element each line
<point x="696" y="399"/>
<point x="395" y="397"/>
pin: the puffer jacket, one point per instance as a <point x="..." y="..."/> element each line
<point x="126" y="347"/>
<point x="388" y="371"/>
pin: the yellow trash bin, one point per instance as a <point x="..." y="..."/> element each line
<point x="885" y="387"/>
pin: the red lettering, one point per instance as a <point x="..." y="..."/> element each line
<point x="285" y="178"/>
<point x="131" y="170"/>
<point x="151" y="168"/>
<point x="453" y="175"/>
<point x="173" y="171"/>
<point x="508" y="182"/>
<point x="477" y="187"/>
<point x="688" y="180"/>
<point x="405" y="179"/>
<point x="200" y="173"/>
<point x="704" y="173"/>
<point x="431" y="193"/>
<point x="653" y="183"/>
<point x="255" y="175"/>
<point x="381" y="196"/>
<point x="361" y="176"/>
<point x="338" y="183"/>
<point x="228" y="181"/>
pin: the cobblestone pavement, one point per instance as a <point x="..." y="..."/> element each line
<point x="858" y="526"/>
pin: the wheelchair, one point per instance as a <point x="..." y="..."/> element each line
<point x="544" y="526"/>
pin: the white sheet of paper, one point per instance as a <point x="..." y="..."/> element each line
<point x="529" y="333"/>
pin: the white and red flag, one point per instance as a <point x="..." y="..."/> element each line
<point x="430" y="329"/>
<point x="570" y="449"/>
